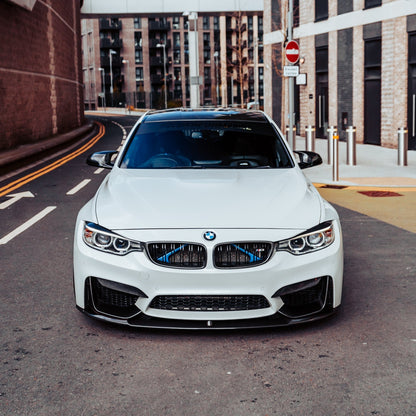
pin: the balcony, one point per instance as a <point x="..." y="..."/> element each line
<point x="117" y="79"/>
<point x="156" y="61"/>
<point x="116" y="61"/>
<point x="154" y="42"/>
<point x="107" y="43"/>
<point x="159" y="26"/>
<point x="156" y="79"/>
<point x="110" y="24"/>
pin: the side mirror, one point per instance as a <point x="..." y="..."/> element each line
<point x="307" y="159"/>
<point x="102" y="159"/>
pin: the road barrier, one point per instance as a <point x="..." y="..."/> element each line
<point x="294" y="136"/>
<point x="402" y="146"/>
<point x="310" y="138"/>
<point x="332" y="130"/>
<point x="351" y="146"/>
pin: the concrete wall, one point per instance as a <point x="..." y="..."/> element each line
<point x="40" y="78"/>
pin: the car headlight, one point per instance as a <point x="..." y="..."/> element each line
<point x="102" y="239"/>
<point x="314" y="239"/>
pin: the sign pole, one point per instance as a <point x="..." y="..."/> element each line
<point x="291" y="136"/>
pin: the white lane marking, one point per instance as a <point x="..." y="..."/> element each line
<point x="122" y="129"/>
<point x="15" y="198"/>
<point x="78" y="187"/>
<point x="98" y="171"/>
<point x="26" y="225"/>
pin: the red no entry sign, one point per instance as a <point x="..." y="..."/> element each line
<point x="292" y="52"/>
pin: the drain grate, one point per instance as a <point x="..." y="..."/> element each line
<point x="379" y="194"/>
<point x="334" y="186"/>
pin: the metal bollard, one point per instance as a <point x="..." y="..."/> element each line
<point x="332" y="130"/>
<point x="294" y="136"/>
<point x="402" y="146"/>
<point x="310" y="138"/>
<point x="351" y="146"/>
<point x="335" y="157"/>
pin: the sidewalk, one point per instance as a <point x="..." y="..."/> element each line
<point x="376" y="166"/>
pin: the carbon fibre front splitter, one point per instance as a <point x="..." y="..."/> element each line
<point x="277" y="320"/>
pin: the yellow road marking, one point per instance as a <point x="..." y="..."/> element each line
<point x="34" y="175"/>
<point x="396" y="210"/>
<point x="368" y="188"/>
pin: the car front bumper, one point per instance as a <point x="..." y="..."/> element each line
<point x="121" y="289"/>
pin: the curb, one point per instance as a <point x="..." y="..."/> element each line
<point x="29" y="150"/>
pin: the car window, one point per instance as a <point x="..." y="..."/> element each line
<point x="205" y="144"/>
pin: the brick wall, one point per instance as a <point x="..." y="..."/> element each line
<point x="394" y="80"/>
<point x="40" y="78"/>
<point x="307" y="51"/>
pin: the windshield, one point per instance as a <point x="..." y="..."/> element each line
<point x="205" y="144"/>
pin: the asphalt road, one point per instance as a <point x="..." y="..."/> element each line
<point x="56" y="361"/>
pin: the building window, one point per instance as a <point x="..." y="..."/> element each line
<point x="176" y="40"/>
<point x="177" y="56"/>
<point x="216" y="23"/>
<point x="138" y="53"/>
<point x="260" y="24"/>
<point x="250" y="40"/>
<point x="137" y="23"/>
<point x="207" y="56"/>
<point x="372" y="3"/>
<point x="296" y="13"/>
<point x="138" y="40"/>
<point x="177" y="74"/>
<point x="205" y="22"/>
<point x="321" y="10"/>
<point x="175" y="23"/>
<point x="207" y="74"/>
<point x="250" y="22"/>
<point x="139" y="74"/>
<point x="207" y="42"/>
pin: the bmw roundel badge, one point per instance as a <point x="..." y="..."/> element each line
<point x="209" y="235"/>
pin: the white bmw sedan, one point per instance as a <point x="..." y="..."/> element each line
<point x="206" y="220"/>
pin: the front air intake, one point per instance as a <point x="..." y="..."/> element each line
<point x="181" y="255"/>
<point x="247" y="254"/>
<point x="203" y="303"/>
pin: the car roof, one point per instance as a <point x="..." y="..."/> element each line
<point x="183" y="114"/>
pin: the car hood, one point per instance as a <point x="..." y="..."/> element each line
<point x="207" y="198"/>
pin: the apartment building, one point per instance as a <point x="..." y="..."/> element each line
<point x="359" y="57"/>
<point x="143" y="61"/>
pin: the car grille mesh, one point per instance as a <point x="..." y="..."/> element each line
<point x="210" y="303"/>
<point x="178" y="254"/>
<point x="112" y="302"/>
<point x="242" y="254"/>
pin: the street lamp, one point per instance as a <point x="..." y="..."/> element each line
<point x="125" y="61"/>
<point x="102" y="86"/>
<point x="111" y="74"/>
<point x="193" y="58"/>
<point x="216" y="77"/>
<point x="162" y="45"/>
